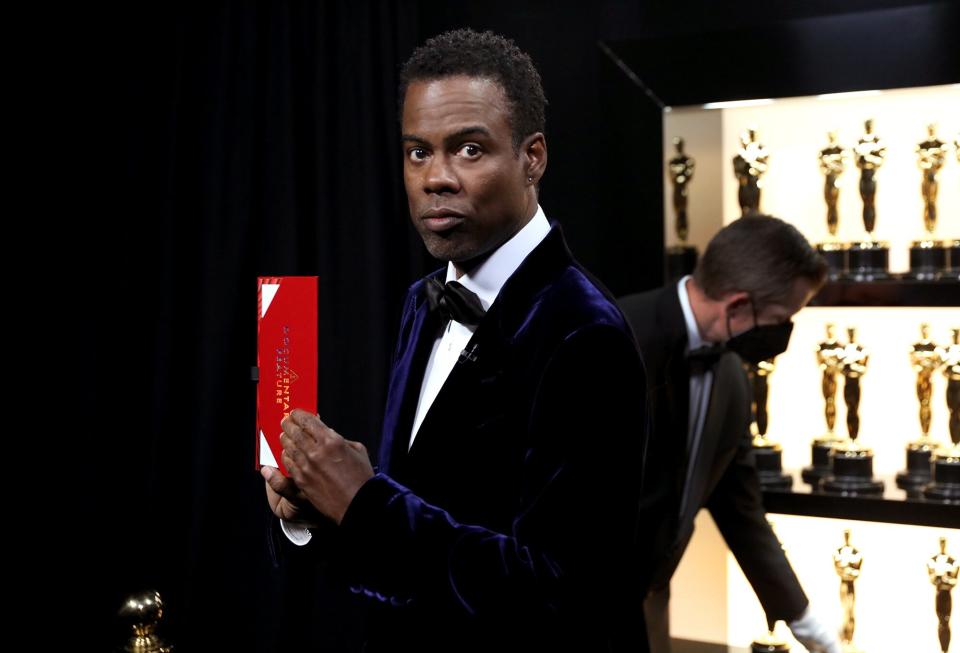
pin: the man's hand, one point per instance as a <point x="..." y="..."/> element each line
<point x="286" y="500"/>
<point x="816" y="636"/>
<point x="327" y="469"/>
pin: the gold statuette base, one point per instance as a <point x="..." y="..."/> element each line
<point x="917" y="474"/>
<point x="851" y="473"/>
<point x="928" y="260"/>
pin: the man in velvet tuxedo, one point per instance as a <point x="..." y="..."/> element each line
<point x="504" y="512"/>
<point x="694" y="336"/>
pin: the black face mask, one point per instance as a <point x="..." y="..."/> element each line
<point x="762" y="342"/>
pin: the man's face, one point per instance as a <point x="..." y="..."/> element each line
<point x="467" y="191"/>
<point x="741" y="313"/>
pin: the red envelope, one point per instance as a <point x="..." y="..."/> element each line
<point x="286" y="358"/>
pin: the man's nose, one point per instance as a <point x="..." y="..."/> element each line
<point x="440" y="176"/>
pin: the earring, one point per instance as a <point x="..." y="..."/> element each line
<point x="529" y="178"/>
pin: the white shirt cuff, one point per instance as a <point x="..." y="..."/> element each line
<point x="296" y="533"/>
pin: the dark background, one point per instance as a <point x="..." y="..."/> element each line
<point x="206" y="144"/>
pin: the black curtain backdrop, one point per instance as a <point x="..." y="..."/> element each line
<point x="243" y="139"/>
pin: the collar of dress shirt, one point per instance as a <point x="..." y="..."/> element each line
<point x="694" y="339"/>
<point x="488" y="278"/>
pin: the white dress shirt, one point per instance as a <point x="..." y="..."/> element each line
<point x="701" y="384"/>
<point x="485" y="280"/>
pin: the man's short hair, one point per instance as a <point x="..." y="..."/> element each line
<point x="488" y="56"/>
<point x="761" y="255"/>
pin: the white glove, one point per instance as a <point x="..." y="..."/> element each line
<point x="816" y="636"/>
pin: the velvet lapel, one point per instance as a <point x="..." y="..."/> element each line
<point x="723" y="372"/>
<point x="481" y="362"/>
<point x="418" y="333"/>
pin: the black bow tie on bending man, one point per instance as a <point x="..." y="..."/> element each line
<point x="452" y="301"/>
<point x="703" y="358"/>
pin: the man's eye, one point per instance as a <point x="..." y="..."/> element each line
<point x="417" y="154"/>
<point x="470" y="150"/>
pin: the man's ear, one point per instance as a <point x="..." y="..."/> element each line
<point x="736" y="301"/>
<point x="534" y="151"/>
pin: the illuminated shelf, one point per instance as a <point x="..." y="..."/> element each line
<point x="889" y="292"/>
<point x="691" y="646"/>
<point x="894" y="507"/>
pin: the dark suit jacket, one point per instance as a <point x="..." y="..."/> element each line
<point x="509" y="524"/>
<point x="724" y="476"/>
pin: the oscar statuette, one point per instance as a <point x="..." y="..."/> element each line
<point x="928" y="257"/>
<point x="767" y="454"/>
<point x="829" y="352"/>
<point x="143" y="613"/>
<point x="869" y="259"/>
<point x="833" y="161"/>
<point x="847" y="562"/>
<point x="925" y="358"/>
<point x="943" y="570"/>
<point x="851" y="465"/>
<point x="681" y="258"/>
<point x="945" y="485"/>
<point x="749" y="165"/>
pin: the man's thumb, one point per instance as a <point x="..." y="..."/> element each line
<point x="276" y="481"/>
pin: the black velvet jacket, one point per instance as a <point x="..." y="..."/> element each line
<point x="511" y="523"/>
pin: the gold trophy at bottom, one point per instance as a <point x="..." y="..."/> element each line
<point x="944" y="570"/>
<point x="143" y="613"/>
<point x="847" y="562"/>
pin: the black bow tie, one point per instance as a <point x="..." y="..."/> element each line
<point x="452" y="301"/>
<point x="705" y="357"/>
